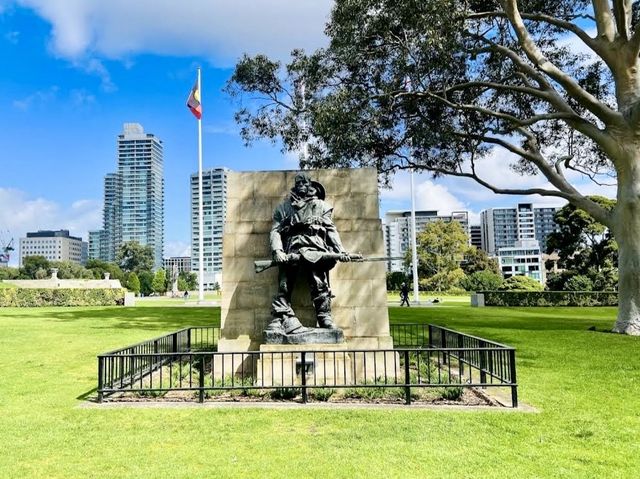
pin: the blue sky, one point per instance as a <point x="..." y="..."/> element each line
<point x="74" y="71"/>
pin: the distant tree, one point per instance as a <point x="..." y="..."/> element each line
<point x="581" y="242"/>
<point x="482" y="281"/>
<point x="395" y="280"/>
<point x="132" y="256"/>
<point x="159" y="283"/>
<point x="441" y="248"/>
<point x="445" y="280"/>
<point x="476" y="259"/>
<point x="557" y="281"/>
<point x="146" y="282"/>
<point x="9" y="273"/>
<point x="216" y="286"/>
<point x="99" y="268"/>
<point x="31" y="265"/>
<point x="579" y="282"/>
<point x="521" y="283"/>
<point x="191" y="280"/>
<point x="182" y="284"/>
<point x="71" y="270"/>
<point x="133" y="283"/>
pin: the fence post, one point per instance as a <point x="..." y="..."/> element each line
<point x="407" y="378"/>
<point x="174" y="340"/>
<point x="430" y="340"/>
<point x="100" y="378"/>
<point x="443" y="344"/>
<point x="514" y="383"/>
<point x="483" y="363"/>
<point x="303" y="379"/>
<point x="461" y="355"/>
<point x="189" y="339"/>
<point x="201" y="380"/>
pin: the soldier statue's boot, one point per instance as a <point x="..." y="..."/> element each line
<point x="326" y="322"/>
<point x="292" y="325"/>
<point x="275" y="326"/>
<point x="322" y="304"/>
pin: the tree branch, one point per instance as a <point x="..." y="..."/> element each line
<point x="622" y="14"/>
<point x="557" y="22"/>
<point x="587" y="100"/>
<point x="604" y="19"/>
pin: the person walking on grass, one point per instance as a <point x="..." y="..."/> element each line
<point x="404" y="294"/>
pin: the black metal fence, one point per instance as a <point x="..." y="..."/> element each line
<point x="425" y="357"/>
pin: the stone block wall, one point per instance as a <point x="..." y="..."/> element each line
<point x="360" y="305"/>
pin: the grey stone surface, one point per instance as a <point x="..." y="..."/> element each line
<point x="310" y="336"/>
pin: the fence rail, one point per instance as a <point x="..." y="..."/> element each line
<point x="430" y="357"/>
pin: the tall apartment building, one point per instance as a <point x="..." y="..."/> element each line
<point x="56" y="245"/>
<point x="503" y="227"/>
<point x="397" y="230"/>
<point x="214" y="200"/>
<point x="133" y="197"/>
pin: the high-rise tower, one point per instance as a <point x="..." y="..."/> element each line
<point x="133" y="197"/>
<point x="214" y="200"/>
<point x="140" y="172"/>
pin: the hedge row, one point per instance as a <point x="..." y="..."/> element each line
<point x="35" y="297"/>
<point x="550" y="298"/>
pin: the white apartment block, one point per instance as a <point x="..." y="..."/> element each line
<point x="54" y="245"/>
<point x="503" y="227"/>
<point x="214" y="200"/>
<point x="524" y="258"/>
<point x="397" y="230"/>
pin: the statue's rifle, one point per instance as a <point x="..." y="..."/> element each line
<point x="316" y="256"/>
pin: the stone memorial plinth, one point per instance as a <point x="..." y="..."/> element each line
<point x="359" y="307"/>
<point x="323" y="364"/>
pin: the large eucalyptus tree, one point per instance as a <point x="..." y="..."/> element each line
<point x="437" y="84"/>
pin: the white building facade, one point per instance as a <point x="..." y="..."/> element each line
<point x="56" y="245"/>
<point x="524" y="258"/>
<point x="214" y="199"/>
<point x="503" y="227"/>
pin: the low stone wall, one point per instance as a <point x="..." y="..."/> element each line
<point x="360" y="304"/>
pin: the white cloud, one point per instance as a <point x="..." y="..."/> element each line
<point x="177" y="248"/>
<point x="219" y="30"/>
<point x="39" y="97"/>
<point x="20" y="213"/>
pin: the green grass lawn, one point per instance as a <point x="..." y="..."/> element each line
<point x="585" y="384"/>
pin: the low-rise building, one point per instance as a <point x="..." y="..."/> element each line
<point x="56" y="245"/>
<point x="522" y="259"/>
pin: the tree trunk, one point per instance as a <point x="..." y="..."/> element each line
<point x="626" y="229"/>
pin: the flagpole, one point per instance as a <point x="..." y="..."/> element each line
<point x="200" y="206"/>
<point x="414" y="248"/>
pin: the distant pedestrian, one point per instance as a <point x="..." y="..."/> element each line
<point x="186" y="295"/>
<point x="404" y="294"/>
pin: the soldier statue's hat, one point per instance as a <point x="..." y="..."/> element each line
<point x="320" y="193"/>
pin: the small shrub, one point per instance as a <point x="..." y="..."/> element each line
<point x="452" y="393"/>
<point x="550" y="298"/>
<point x="285" y="393"/>
<point x="322" y="394"/>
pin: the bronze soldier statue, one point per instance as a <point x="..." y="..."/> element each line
<point x="304" y="242"/>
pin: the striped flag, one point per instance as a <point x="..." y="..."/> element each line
<point x="193" y="102"/>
